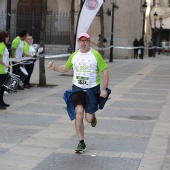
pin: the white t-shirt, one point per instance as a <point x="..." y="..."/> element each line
<point x="5" y="58"/>
<point x="86" y="67"/>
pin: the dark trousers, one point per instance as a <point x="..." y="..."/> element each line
<point x="150" y="52"/>
<point x="2" y="88"/>
<point x="135" y="54"/>
<point x="141" y="55"/>
<point x="29" y="68"/>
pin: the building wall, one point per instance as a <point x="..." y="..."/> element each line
<point x="128" y="21"/>
<point x="2" y="6"/>
<point x="53" y="5"/>
<point x="127" y="26"/>
<point x="162" y="8"/>
<point x="2" y="15"/>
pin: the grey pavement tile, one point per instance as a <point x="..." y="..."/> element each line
<point x="168" y="148"/>
<point x="3" y="150"/>
<point x="42" y="108"/>
<point x="52" y="99"/>
<point x="166" y="167"/>
<point x="131" y="127"/>
<point x="139" y="105"/>
<point x="27" y="120"/>
<point x="149" y="91"/>
<point x="127" y="113"/>
<point x="74" y="162"/>
<point x="24" y="94"/>
<point x="156" y="81"/>
<point x="157" y="78"/>
<point x="167" y="164"/>
<point x="15" y="135"/>
<point x="145" y="97"/>
<point x="154" y="86"/>
<point x="111" y="143"/>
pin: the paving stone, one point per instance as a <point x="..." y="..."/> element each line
<point x="27" y="120"/>
<point x="36" y="132"/>
<point x="42" y="108"/>
<point x="138" y="105"/>
<point x="3" y="150"/>
<point x="75" y="162"/>
<point x="15" y="135"/>
<point x="112" y="143"/>
<point x="128" y="112"/>
<point x="145" y="97"/>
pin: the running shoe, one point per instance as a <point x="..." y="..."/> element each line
<point x="94" y="123"/>
<point x="80" y="148"/>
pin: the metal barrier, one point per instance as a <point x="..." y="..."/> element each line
<point x="57" y="27"/>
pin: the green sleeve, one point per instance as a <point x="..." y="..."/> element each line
<point x="15" y="43"/>
<point x="68" y="63"/>
<point x="101" y="63"/>
<point x="2" y="49"/>
<point x="26" y="48"/>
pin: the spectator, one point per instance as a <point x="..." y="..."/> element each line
<point x="141" y="44"/>
<point x="150" y="49"/>
<point x="4" y="66"/>
<point x="163" y="46"/>
<point x="17" y="52"/>
<point x="29" y="51"/>
<point x="102" y="44"/>
<point x="136" y="44"/>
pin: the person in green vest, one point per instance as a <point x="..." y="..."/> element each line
<point x="4" y="66"/>
<point x="29" y="51"/>
<point x="17" y="52"/>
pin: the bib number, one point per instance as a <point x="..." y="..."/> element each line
<point x="83" y="80"/>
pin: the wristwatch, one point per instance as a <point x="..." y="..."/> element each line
<point x="104" y="88"/>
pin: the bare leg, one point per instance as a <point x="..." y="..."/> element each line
<point x="89" y="117"/>
<point x="79" y="126"/>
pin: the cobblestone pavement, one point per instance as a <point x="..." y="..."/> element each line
<point x="132" y="133"/>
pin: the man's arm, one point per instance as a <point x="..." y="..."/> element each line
<point x="105" y="77"/>
<point x="5" y="65"/>
<point x="12" y="52"/>
<point x="60" y="69"/>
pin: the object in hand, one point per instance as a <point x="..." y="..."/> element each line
<point x="11" y="82"/>
<point x="34" y="56"/>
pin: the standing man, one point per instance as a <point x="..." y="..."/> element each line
<point x="87" y="64"/>
<point x="141" y="44"/>
<point x="163" y="45"/>
<point x="150" y="49"/>
<point x="17" y="51"/>
<point x="136" y="44"/>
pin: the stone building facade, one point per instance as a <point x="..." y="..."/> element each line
<point x="128" y="21"/>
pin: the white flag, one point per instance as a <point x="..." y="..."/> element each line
<point x="87" y="14"/>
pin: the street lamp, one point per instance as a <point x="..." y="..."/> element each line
<point x="114" y="6"/>
<point x="144" y="6"/>
<point x="155" y="15"/>
<point x="8" y="15"/>
<point x="160" y="32"/>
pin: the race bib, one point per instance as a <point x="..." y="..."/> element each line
<point x="83" y="80"/>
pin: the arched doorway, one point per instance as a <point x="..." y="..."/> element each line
<point x="29" y="13"/>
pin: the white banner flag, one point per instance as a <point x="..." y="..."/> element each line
<point x="87" y="14"/>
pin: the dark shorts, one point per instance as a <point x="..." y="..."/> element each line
<point x="78" y="96"/>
